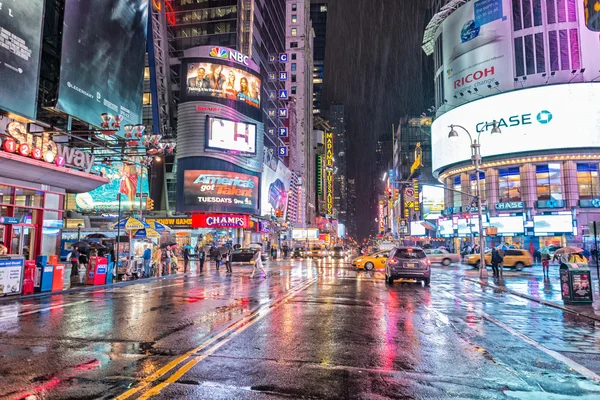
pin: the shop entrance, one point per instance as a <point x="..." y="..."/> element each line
<point x="23" y="241"/>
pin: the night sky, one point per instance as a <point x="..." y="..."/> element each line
<point x="374" y="67"/>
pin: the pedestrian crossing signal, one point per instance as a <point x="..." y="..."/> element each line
<point x="149" y="204"/>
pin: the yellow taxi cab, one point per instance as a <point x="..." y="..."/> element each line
<point x="371" y="261"/>
<point x="513" y="258"/>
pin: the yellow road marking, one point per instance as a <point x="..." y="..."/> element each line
<point x="236" y="328"/>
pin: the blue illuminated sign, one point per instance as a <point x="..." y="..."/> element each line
<point x="283" y="132"/>
<point x="282" y="151"/>
<point x="283" y="113"/>
<point x="283" y="94"/>
<point x="283" y="57"/>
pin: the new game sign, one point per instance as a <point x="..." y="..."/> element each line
<point x="218" y="191"/>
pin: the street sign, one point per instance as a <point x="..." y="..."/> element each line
<point x="410" y="192"/>
<point x="142" y="195"/>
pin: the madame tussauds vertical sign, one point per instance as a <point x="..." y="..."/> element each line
<point x="329" y="171"/>
<point x="42" y="147"/>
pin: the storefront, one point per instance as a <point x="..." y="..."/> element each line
<point x="33" y="184"/>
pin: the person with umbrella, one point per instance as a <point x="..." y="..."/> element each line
<point x="74" y="261"/>
<point x="257" y="260"/>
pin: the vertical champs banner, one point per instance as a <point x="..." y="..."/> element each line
<point x="102" y="66"/>
<point x="20" y="48"/>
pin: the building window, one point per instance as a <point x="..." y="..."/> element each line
<point x="549" y="183"/>
<point x="293" y="56"/>
<point x="146" y="72"/>
<point x="147" y="99"/>
<point x="293" y="66"/>
<point x="294" y="45"/>
<point x="294" y="32"/>
<point x="587" y="181"/>
<point x="457" y="196"/>
<point x="509" y="184"/>
<point x="323" y="8"/>
<point x="293" y="77"/>
<point x="481" y="184"/>
<point x="294" y="18"/>
<point x="294" y="88"/>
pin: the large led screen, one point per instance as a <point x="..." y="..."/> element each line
<point x="553" y="224"/>
<point x="127" y="179"/>
<point x="417" y="228"/>
<point x="221" y="191"/>
<point x="445" y="227"/>
<point x="275" y="188"/>
<point x="102" y="64"/>
<point x="20" y="45"/>
<point x="223" y="134"/>
<point x="507" y="225"/>
<point x="221" y="83"/>
<point x="550" y="117"/>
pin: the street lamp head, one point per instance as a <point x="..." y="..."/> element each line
<point x="452" y="134"/>
<point x="496" y="128"/>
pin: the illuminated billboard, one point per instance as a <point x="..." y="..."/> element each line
<point x="222" y="83"/>
<point x="508" y="225"/>
<point x="417" y="228"/>
<point x="329" y="172"/>
<point x="556" y="117"/>
<point x="127" y="179"/>
<point x="446" y="227"/>
<point x="305" y="234"/>
<point x="20" y="46"/>
<point x="223" y="134"/>
<point x="102" y="59"/>
<point x="433" y="201"/>
<point x="275" y="186"/>
<point x="553" y="224"/>
<point x="220" y="191"/>
<point x="486" y="47"/>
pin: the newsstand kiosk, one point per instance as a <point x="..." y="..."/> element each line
<point x="97" y="268"/>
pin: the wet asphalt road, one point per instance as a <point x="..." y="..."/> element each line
<point x="315" y="330"/>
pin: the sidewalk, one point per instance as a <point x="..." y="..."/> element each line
<point x="534" y="286"/>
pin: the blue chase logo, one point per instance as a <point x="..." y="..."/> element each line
<point x="544" y="117"/>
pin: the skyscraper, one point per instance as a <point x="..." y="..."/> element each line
<point x="318" y="15"/>
<point x="299" y="42"/>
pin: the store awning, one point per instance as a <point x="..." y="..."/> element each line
<point x="15" y="166"/>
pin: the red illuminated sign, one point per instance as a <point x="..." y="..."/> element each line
<point x="220" y="221"/>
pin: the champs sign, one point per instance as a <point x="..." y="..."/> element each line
<point x="329" y="172"/>
<point x="220" y="221"/>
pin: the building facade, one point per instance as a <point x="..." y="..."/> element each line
<point x="534" y="110"/>
<point x="318" y="15"/>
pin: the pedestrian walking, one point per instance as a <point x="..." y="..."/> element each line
<point x="227" y="260"/>
<point x="166" y="259"/>
<point x="201" y="256"/>
<point x="502" y="254"/>
<point x="545" y="263"/>
<point x="258" y="263"/>
<point x="74" y="262"/>
<point x="186" y="259"/>
<point x="495" y="262"/>
<point x="147" y="257"/>
<point x="216" y="256"/>
<point x="157" y="261"/>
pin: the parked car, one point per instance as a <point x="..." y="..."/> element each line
<point x="371" y="261"/>
<point x="318" y="252"/>
<point x="440" y="256"/>
<point x="244" y="255"/>
<point x="513" y="258"/>
<point x="298" y="252"/>
<point x="408" y="263"/>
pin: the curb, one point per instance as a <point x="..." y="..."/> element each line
<point x="536" y="299"/>
<point x="79" y="289"/>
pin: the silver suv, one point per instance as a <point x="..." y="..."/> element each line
<point x="408" y="263"/>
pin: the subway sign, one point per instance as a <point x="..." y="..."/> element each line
<point x="42" y="147"/>
<point x="220" y="221"/>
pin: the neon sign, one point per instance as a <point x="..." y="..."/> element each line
<point x="329" y="171"/>
<point x="229" y="54"/>
<point x="43" y="147"/>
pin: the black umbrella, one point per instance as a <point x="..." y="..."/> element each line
<point x="81" y="243"/>
<point x="96" y="245"/>
<point x="96" y="236"/>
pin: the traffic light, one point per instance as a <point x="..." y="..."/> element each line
<point x="149" y="204"/>
<point x="279" y="213"/>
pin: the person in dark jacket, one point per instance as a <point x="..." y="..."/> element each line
<point x="186" y="259"/>
<point x="496" y="260"/>
<point x="201" y="256"/>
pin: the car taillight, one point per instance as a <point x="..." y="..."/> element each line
<point x="427" y="261"/>
<point x="393" y="261"/>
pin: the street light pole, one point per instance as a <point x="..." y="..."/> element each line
<point x="476" y="159"/>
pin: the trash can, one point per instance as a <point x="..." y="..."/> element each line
<point x="575" y="283"/>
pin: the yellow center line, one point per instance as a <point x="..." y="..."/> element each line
<point x="234" y="329"/>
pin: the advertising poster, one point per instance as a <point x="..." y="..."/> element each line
<point x="11" y="272"/>
<point x="553" y="224"/>
<point x="582" y="289"/>
<point x="445" y="227"/>
<point x="530" y="120"/>
<point x="214" y="81"/>
<point x="124" y="179"/>
<point x="232" y="136"/>
<point x="477" y="49"/>
<point x="221" y="191"/>
<point x="507" y="225"/>
<point x="102" y="65"/>
<point x="274" y="190"/>
<point x="305" y="234"/>
<point x="20" y="48"/>
<point x="433" y="201"/>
